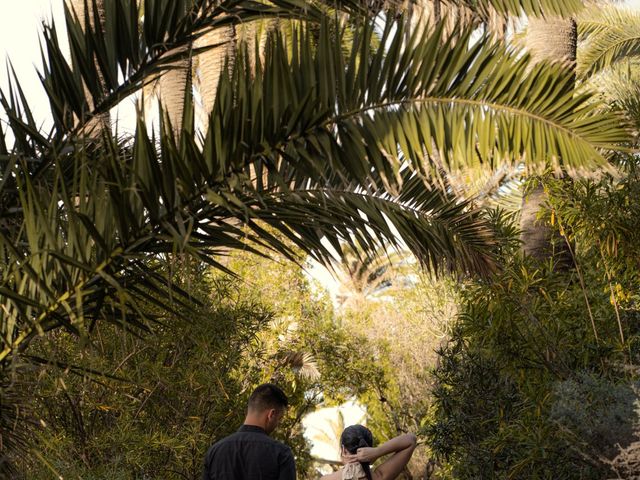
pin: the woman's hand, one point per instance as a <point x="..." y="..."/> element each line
<point x="364" y="454"/>
<point x="367" y="454"/>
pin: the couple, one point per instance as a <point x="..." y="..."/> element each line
<point x="250" y="454"/>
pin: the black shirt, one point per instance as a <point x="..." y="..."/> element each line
<point x="249" y="454"/>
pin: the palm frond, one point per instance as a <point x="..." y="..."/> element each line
<point x="325" y="147"/>
<point x="436" y="106"/>
<point x="303" y="364"/>
<point x="620" y="89"/>
<point x="117" y="60"/>
<point x="536" y="8"/>
<point x="17" y="416"/>
<point x="609" y="34"/>
<point x="435" y="229"/>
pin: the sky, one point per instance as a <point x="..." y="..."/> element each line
<point x="20" y="23"/>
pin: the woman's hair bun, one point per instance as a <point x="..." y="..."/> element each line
<point x="355" y="437"/>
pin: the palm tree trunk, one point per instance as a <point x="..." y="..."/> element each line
<point x="437" y="10"/>
<point x="210" y="64"/>
<point x="94" y="126"/>
<point x="425" y="15"/>
<point x="496" y="24"/>
<point x="220" y="45"/>
<point x="223" y="44"/>
<point x="172" y="87"/>
<point x="555" y="40"/>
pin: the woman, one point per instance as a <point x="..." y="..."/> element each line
<point x="358" y="453"/>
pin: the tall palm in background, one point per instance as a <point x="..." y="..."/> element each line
<point x="552" y="40"/>
<point x="94" y="17"/>
<point x="203" y="70"/>
<point x="327" y="437"/>
<point x="174" y="84"/>
<point x="317" y="147"/>
<point x="608" y="36"/>
<point x="217" y="48"/>
<point x="361" y="277"/>
<point x="609" y="54"/>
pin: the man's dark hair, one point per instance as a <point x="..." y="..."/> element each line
<point x="267" y="396"/>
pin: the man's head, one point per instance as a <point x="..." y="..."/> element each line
<point x="266" y="407"/>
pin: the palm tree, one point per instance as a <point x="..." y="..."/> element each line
<point x="218" y="46"/>
<point x="360" y="276"/>
<point x="174" y="84"/>
<point x="428" y="14"/>
<point x="210" y="64"/>
<point x="94" y="19"/>
<point x="551" y="39"/>
<point x="609" y="35"/>
<point x="608" y="56"/>
<point x="329" y="436"/>
<point x="321" y="147"/>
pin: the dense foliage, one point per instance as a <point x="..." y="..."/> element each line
<point x="119" y="406"/>
<point x="538" y="379"/>
<point x="149" y="282"/>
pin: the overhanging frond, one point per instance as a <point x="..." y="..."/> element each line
<point x="536" y="8"/>
<point x="609" y="34"/>
<point x="435" y="106"/>
<point x="318" y="148"/>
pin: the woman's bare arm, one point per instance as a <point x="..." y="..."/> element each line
<point x="402" y="448"/>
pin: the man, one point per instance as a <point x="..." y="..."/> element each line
<point x="250" y="454"/>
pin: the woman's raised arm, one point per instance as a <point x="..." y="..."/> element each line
<point x="402" y="448"/>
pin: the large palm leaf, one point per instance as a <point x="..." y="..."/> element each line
<point x="324" y="147"/>
<point x="537" y="8"/>
<point x="609" y="34"/>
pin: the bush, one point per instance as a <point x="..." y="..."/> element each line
<point x="161" y="400"/>
<point x="524" y="388"/>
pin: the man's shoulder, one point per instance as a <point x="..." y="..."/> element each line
<point x="232" y="438"/>
<point x="283" y="447"/>
<point x="278" y="444"/>
<point x="265" y="440"/>
<point x="250" y="437"/>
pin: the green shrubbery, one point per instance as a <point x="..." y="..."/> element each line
<point x="537" y="380"/>
<point x="161" y="400"/>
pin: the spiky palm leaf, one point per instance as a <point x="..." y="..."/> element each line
<point x="327" y="148"/>
<point x="329" y="434"/>
<point x="609" y="34"/>
<point x="360" y="276"/>
<point x="17" y="422"/>
<point x="536" y="8"/>
<point x="620" y="88"/>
